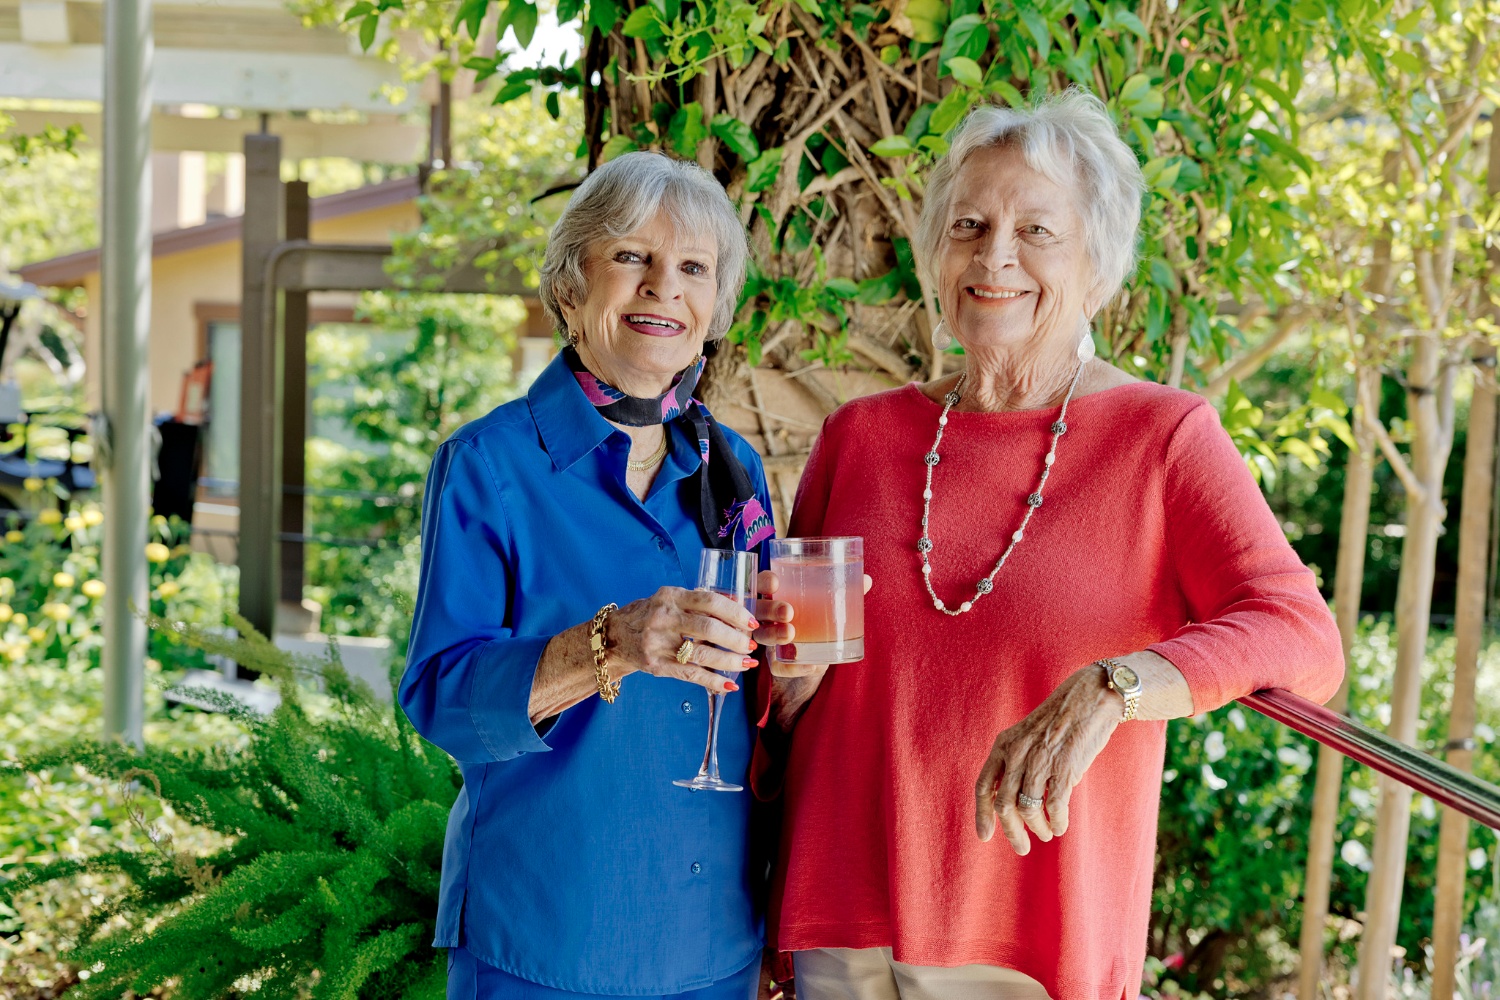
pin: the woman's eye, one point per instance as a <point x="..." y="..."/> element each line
<point x="1035" y="230"/>
<point x="966" y="224"/>
<point x="628" y="257"/>
<point x="693" y="267"/>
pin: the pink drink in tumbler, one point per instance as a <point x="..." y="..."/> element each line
<point x="823" y="580"/>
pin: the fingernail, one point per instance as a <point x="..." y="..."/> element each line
<point x="731" y="686"/>
<point x="749" y="661"/>
<point x="754" y="624"/>
<point x="754" y="645"/>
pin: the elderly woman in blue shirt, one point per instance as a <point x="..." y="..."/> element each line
<point x="572" y="866"/>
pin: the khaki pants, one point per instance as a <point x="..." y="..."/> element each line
<point x="872" y="974"/>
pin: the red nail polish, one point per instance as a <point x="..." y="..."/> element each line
<point x="754" y="624"/>
<point x="754" y="645"/>
<point x="731" y="686"/>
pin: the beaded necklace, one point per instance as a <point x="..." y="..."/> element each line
<point x="1033" y="501"/>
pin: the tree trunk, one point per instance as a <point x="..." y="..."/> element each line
<point x="1348" y="583"/>
<point x="1468" y="626"/>
<point x="1424" y="518"/>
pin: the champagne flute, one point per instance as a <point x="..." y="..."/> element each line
<point x="721" y="571"/>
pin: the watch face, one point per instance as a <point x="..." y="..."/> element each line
<point x="1125" y="678"/>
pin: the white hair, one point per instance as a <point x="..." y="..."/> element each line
<point x="616" y="200"/>
<point x="1071" y="139"/>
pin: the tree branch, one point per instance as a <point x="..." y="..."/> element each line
<point x="1247" y="364"/>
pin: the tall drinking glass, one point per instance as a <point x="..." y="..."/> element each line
<point x="823" y="579"/>
<point x="732" y="574"/>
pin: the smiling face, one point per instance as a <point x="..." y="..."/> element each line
<point x="650" y="298"/>
<point x="1013" y="270"/>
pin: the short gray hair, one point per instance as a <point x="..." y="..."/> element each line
<point x="616" y="200"/>
<point x="1071" y="139"/>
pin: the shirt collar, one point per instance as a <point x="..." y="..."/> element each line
<point x="569" y="424"/>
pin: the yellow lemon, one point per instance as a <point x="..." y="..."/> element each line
<point x="62" y="581"/>
<point x="93" y="588"/>
<point x="5" y="613"/>
<point x="33" y="484"/>
<point x="169" y="588"/>
<point x="37" y="634"/>
<point x="14" y="537"/>
<point x="50" y="516"/>
<point x="93" y="517"/>
<point x="157" y="552"/>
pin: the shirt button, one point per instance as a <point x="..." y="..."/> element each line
<point x="697" y="868"/>
<point x="687" y="708"/>
<point x="661" y="543"/>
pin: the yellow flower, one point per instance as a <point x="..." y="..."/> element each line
<point x="19" y="619"/>
<point x="5" y="613"/>
<point x="93" y="588"/>
<point x="7" y="587"/>
<point x="93" y="517"/>
<point x="57" y="611"/>
<point x="50" y="516"/>
<point x="157" y="552"/>
<point x="169" y="588"/>
<point x="16" y="653"/>
<point x="73" y="522"/>
<point x="63" y="581"/>
<point x="33" y="484"/>
<point x="37" y="634"/>
<point x="158" y="521"/>
<point x="14" y="537"/>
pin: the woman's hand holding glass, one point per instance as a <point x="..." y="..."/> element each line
<point x="645" y="636"/>
<point x="778" y="628"/>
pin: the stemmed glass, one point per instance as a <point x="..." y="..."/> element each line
<point x="732" y="574"/>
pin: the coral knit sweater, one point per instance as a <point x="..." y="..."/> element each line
<point x="1153" y="536"/>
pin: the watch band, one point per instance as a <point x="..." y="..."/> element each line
<point x="1131" y="693"/>
<point x="608" y="690"/>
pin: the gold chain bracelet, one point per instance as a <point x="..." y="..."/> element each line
<point x="608" y="689"/>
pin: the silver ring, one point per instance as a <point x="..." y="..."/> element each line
<point x="1027" y="802"/>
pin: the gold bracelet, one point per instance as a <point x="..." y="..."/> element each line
<point x="608" y="689"/>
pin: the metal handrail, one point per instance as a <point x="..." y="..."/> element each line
<point x="1439" y="781"/>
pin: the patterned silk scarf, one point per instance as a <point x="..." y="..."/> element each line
<point x="729" y="513"/>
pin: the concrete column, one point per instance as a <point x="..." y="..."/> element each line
<point x="126" y="276"/>
<point x="260" y="392"/>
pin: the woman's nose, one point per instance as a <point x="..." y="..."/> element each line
<point x="997" y="251"/>
<point x="661" y="283"/>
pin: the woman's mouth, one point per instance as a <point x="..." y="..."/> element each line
<point x="652" y="325"/>
<point x="994" y="294"/>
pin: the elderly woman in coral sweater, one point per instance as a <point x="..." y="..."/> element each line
<point x="1064" y="558"/>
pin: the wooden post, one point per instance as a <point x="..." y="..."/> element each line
<point x="1468" y="628"/>
<point x="260" y="392"/>
<point x="1348" y="586"/>
<point x="294" y="405"/>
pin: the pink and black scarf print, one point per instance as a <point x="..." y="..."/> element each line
<point x="730" y="515"/>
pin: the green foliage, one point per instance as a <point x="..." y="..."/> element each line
<point x="325" y="881"/>
<point x="437" y="362"/>
<point x="1235" y="808"/>
<point x="50" y="587"/>
<point x="50" y="184"/>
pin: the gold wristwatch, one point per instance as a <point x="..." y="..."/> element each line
<point x="1123" y="679"/>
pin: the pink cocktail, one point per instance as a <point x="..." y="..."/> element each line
<point x="823" y="580"/>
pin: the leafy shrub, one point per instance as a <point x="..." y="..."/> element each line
<point x="331" y="823"/>
<point x="50" y="588"/>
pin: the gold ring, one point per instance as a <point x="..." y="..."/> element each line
<point x="685" y="651"/>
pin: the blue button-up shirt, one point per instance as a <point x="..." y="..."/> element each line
<point x="571" y="859"/>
